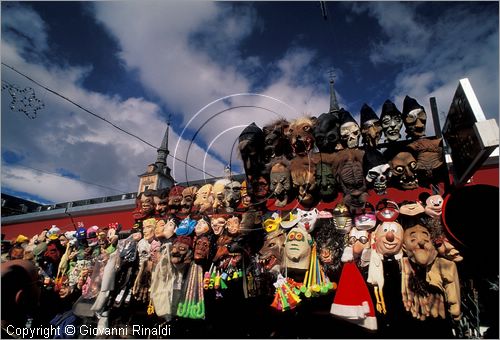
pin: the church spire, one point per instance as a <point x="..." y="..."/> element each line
<point x="334" y="105"/>
<point x="161" y="160"/>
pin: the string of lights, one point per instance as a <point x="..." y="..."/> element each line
<point x="101" y="118"/>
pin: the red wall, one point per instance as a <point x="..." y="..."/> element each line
<point x="29" y="229"/>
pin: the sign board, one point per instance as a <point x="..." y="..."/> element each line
<point x="469" y="135"/>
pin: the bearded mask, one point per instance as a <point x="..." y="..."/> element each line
<point x="232" y="195"/>
<point x="303" y="178"/>
<point x="300" y="136"/>
<point x="327" y="132"/>
<point x="403" y="169"/>
<point x="414" y="118"/>
<point x="280" y="181"/>
<point x="391" y="121"/>
<point x="270" y="256"/>
<point x="298" y="248"/>
<point x="275" y="140"/>
<point x="371" y="130"/>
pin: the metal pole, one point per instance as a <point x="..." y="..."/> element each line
<point x="435" y="118"/>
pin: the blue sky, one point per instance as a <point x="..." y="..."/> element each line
<point x="137" y="62"/>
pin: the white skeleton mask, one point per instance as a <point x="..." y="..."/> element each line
<point x="350" y="134"/>
<point x="379" y="175"/>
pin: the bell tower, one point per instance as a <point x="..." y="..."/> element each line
<point x="157" y="175"/>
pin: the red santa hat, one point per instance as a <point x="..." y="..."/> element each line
<point x="352" y="300"/>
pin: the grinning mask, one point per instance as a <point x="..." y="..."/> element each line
<point x="403" y="169"/>
<point x="270" y="256"/>
<point x="181" y="252"/>
<point x="391" y="121"/>
<point x="388" y="238"/>
<point x="218" y="223"/>
<point x="175" y="199"/>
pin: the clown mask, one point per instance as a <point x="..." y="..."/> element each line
<point x="388" y="238"/>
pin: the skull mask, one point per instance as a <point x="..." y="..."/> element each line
<point x="378" y="177"/>
<point x="327" y="132"/>
<point x="403" y="167"/>
<point x="350" y="134"/>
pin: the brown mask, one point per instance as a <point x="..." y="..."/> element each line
<point x="300" y="135"/>
<point x="201" y="248"/>
<point x="271" y="254"/>
<point x="276" y="142"/>
<point x="417" y="244"/>
<point x="403" y="169"/>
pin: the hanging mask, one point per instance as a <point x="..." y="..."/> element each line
<point x="403" y="169"/>
<point x="181" y="252"/>
<point x="411" y="208"/>
<point x="148" y="229"/>
<point x="232" y="195"/>
<point x="233" y="226"/>
<point x="175" y="199"/>
<point x="186" y="227"/>
<point x="417" y="244"/>
<point x="434" y="206"/>
<point x="270" y="256"/>
<point x="387" y="211"/>
<point x="202" y="226"/>
<point x="298" y="248"/>
<point x="307" y="219"/>
<point x="391" y="121"/>
<point x="349" y="173"/>
<point x="300" y="135"/>
<point x="378" y="177"/>
<point x="388" y="238"/>
<point x="303" y="178"/>
<point x="275" y="140"/>
<point x="371" y="130"/>
<point x="429" y="156"/>
<point x="201" y="248"/>
<point x="350" y="134"/>
<point x="170" y="227"/>
<point x="271" y="224"/>
<point x="366" y="219"/>
<point x="204" y="199"/>
<point x="218" y="223"/>
<point x="327" y="132"/>
<point x="358" y="240"/>
<point x="342" y="218"/>
<point x="260" y="188"/>
<point x="188" y="196"/>
<point x="251" y="147"/>
<point x="325" y="180"/>
<point x="414" y="118"/>
<point x="280" y="181"/>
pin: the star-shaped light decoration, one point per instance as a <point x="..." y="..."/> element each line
<point x="24" y="100"/>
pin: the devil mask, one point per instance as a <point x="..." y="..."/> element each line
<point x="327" y="132"/>
<point x="414" y="118"/>
<point x="202" y="248"/>
<point x="391" y="121"/>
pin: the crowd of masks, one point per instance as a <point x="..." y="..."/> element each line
<point x="313" y="220"/>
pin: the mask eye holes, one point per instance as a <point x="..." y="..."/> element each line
<point x="413" y="165"/>
<point x="291" y="236"/>
<point x="398" y="169"/>
<point x="299" y="237"/>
